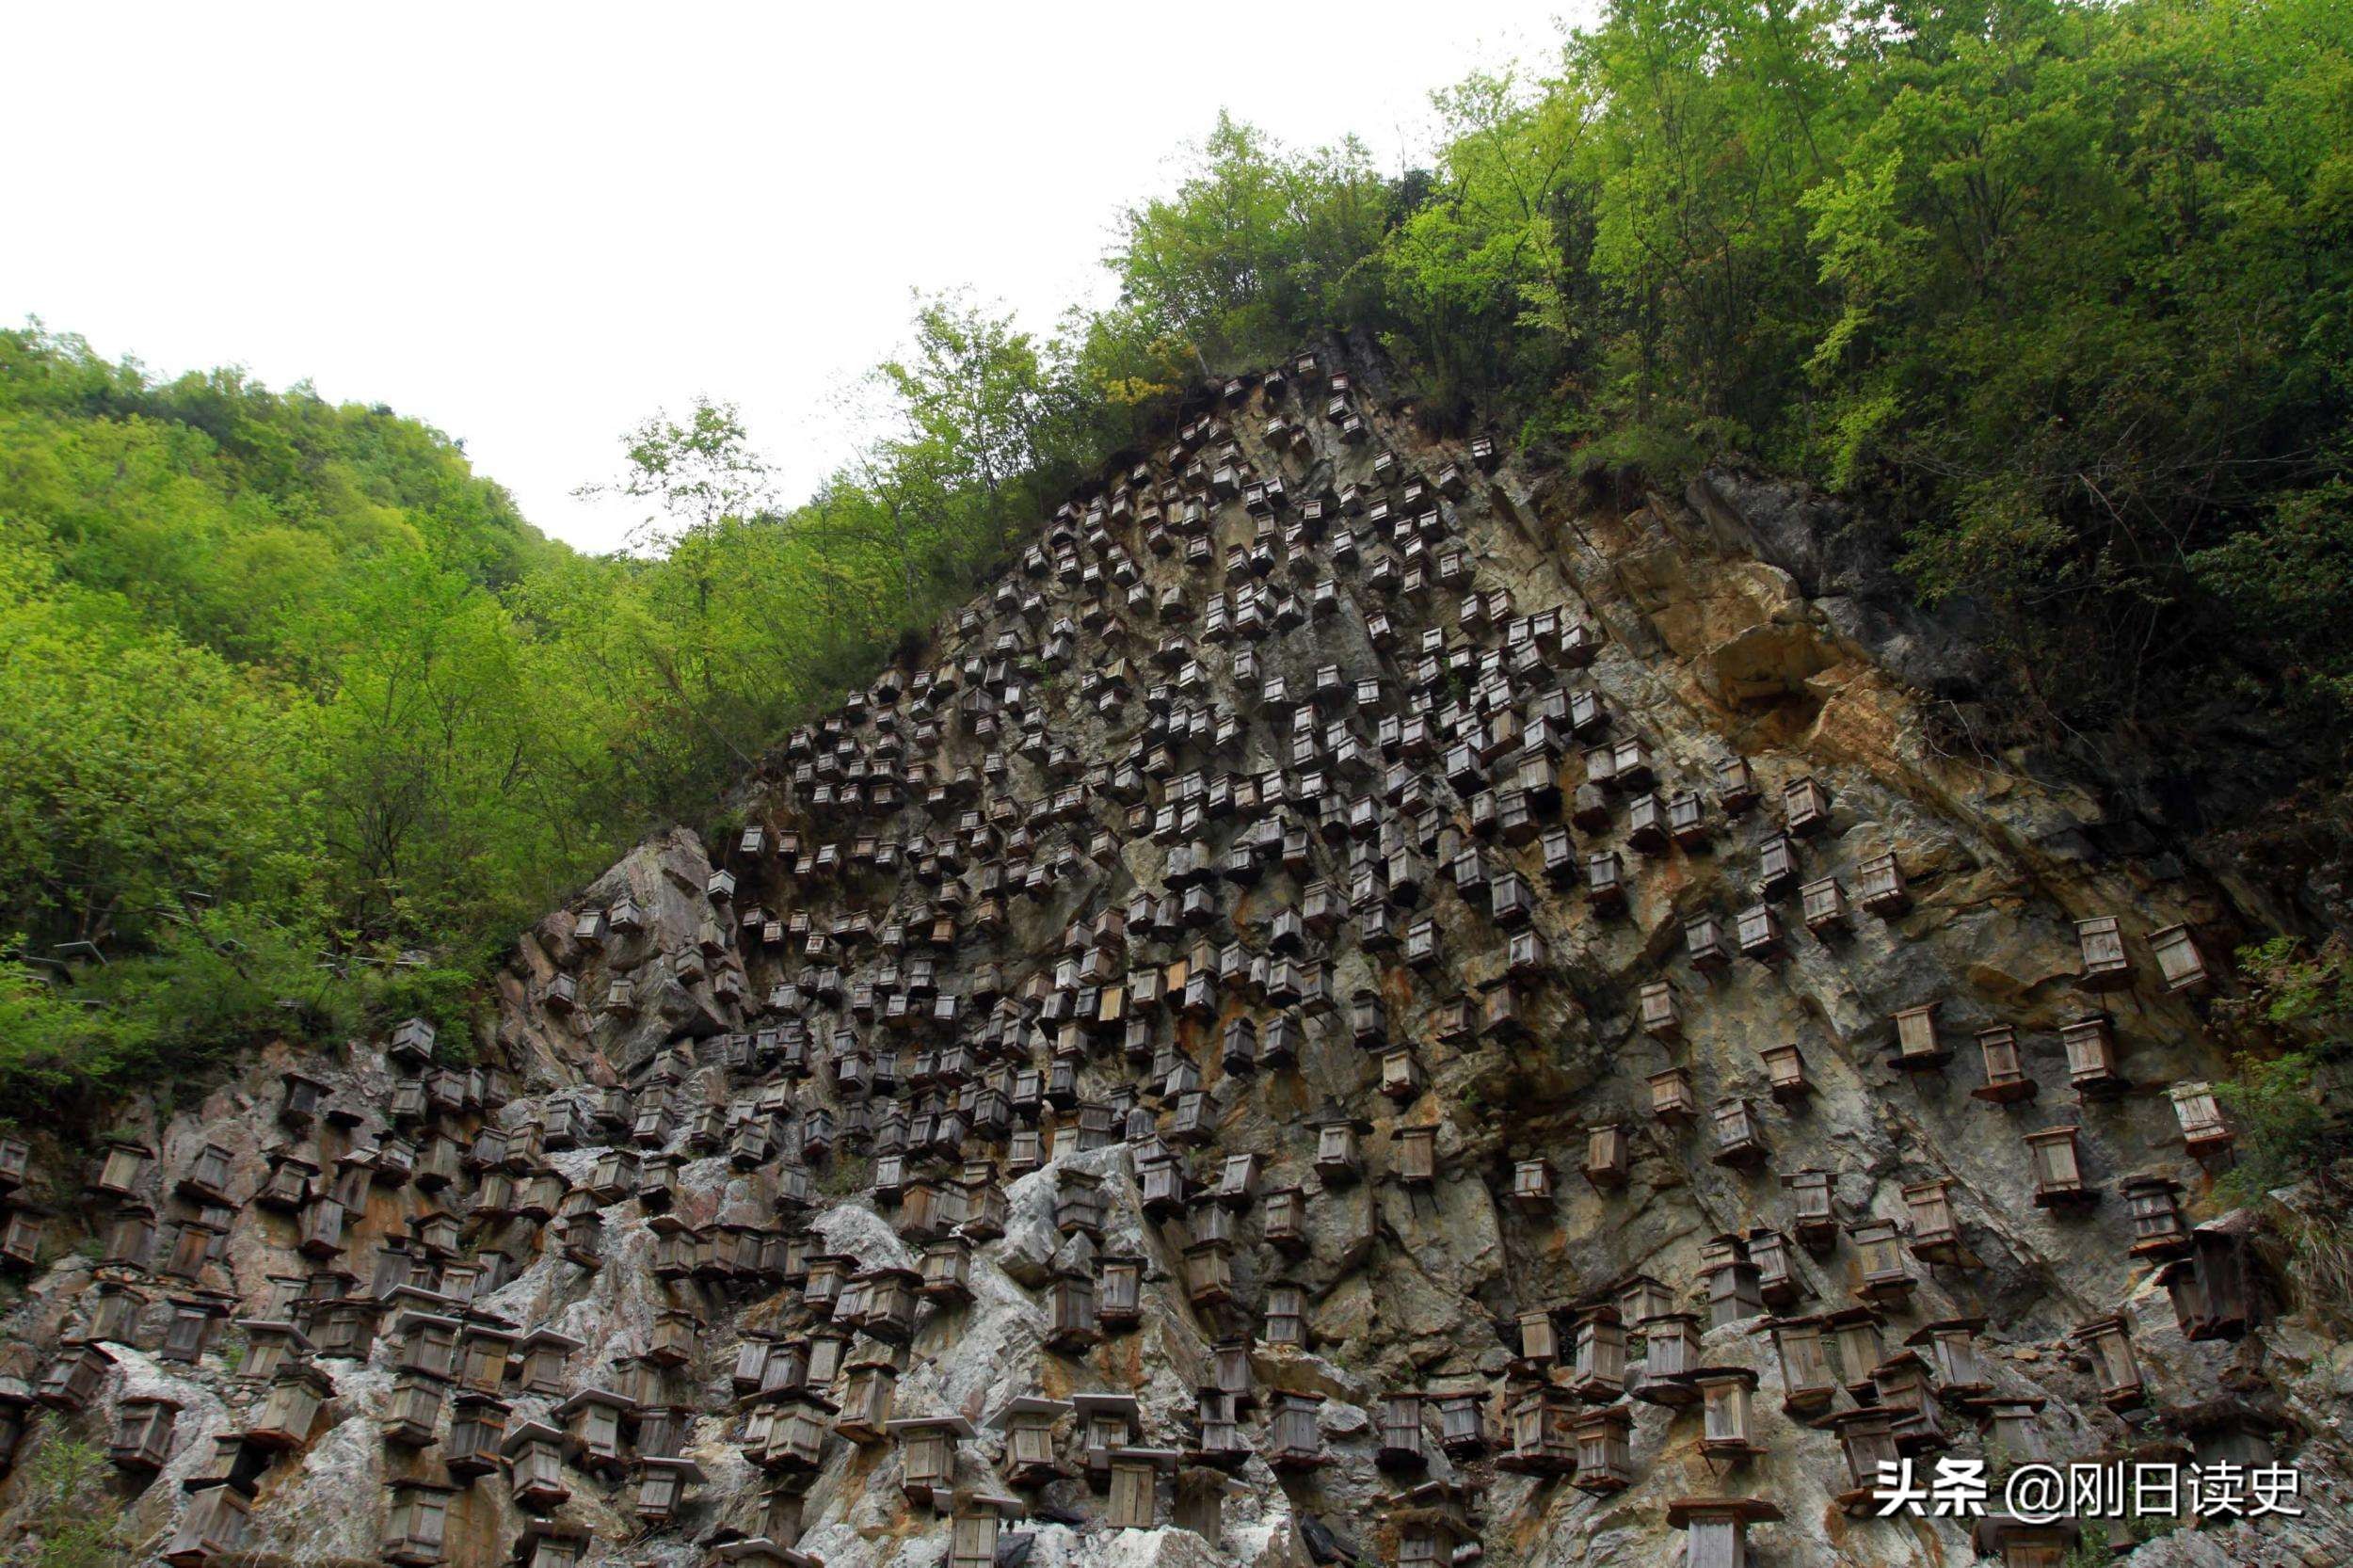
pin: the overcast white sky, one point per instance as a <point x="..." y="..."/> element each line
<point x="532" y="225"/>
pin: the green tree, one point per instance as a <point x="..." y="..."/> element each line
<point x="145" y="778"/>
<point x="1258" y="248"/>
<point x="695" y="474"/>
<point x="1488" y="273"/>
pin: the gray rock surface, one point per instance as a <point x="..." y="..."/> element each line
<point x="1731" y="621"/>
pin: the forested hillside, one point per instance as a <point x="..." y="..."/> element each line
<point x="300" y="718"/>
<point x="2060" y="295"/>
<point x="2061" y="290"/>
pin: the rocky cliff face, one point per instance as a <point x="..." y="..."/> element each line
<point x="1356" y="1006"/>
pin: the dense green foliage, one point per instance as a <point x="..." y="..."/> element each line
<point x="2290" y="1127"/>
<point x="264" y="718"/>
<point x="301" y="720"/>
<point x="2065" y="289"/>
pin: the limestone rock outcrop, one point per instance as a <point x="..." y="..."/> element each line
<point x="1360" y="1005"/>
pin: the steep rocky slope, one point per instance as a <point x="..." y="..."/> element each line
<point x="1356" y="1004"/>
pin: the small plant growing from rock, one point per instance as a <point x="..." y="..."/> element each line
<point x="848" y="1173"/>
<point x="2279" y="1107"/>
<point x="2293" y="1137"/>
<point x="76" y="1523"/>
